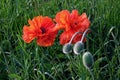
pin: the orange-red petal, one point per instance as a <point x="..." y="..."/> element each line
<point x="63" y="19"/>
<point x="47" y="39"/>
<point x="84" y="22"/>
<point x="65" y="37"/>
<point x="74" y="15"/>
<point x="28" y="34"/>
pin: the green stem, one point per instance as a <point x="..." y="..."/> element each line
<point x="91" y="73"/>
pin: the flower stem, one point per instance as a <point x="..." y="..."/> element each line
<point x="78" y="33"/>
<point x="73" y="37"/>
<point x="84" y="34"/>
<point x="91" y="73"/>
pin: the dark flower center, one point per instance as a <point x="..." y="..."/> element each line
<point x="43" y="30"/>
<point x="75" y="23"/>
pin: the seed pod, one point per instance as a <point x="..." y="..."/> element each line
<point x="88" y="60"/>
<point x="67" y="48"/>
<point x="78" y="47"/>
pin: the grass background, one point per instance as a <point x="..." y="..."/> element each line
<point x="21" y="61"/>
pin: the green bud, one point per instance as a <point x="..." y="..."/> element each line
<point x="88" y="60"/>
<point x="67" y="48"/>
<point x="78" y="47"/>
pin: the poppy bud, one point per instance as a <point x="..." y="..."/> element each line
<point x="78" y="47"/>
<point x="67" y="48"/>
<point x="87" y="60"/>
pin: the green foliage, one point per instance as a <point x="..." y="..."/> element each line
<point x="19" y="60"/>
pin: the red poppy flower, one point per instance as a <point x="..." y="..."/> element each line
<point x="40" y="28"/>
<point x="71" y="23"/>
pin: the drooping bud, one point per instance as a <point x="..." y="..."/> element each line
<point x="88" y="60"/>
<point x="67" y="48"/>
<point x="78" y="47"/>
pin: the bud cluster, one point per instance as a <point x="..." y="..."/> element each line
<point x="79" y="48"/>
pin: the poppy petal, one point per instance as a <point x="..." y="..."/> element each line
<point x="47" y="23"/>
<point x="28" y="34"/>
<point x="74" y="14"/>
<point x="46" y="40"/>
<point x="65" y="37"/>
<point x="62" y="18"/>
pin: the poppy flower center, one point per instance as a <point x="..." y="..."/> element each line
<point x="73" y="24"/>
<point x="43" y="30"/>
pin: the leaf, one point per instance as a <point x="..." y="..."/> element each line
<point x="15" y="76"/>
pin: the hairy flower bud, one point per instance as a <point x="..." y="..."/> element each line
<point x="88" y="60"/>
<point x="78" y="47"/>
<point x="67" y="48"/>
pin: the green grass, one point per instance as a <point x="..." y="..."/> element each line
<point x="22" y="61"/>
